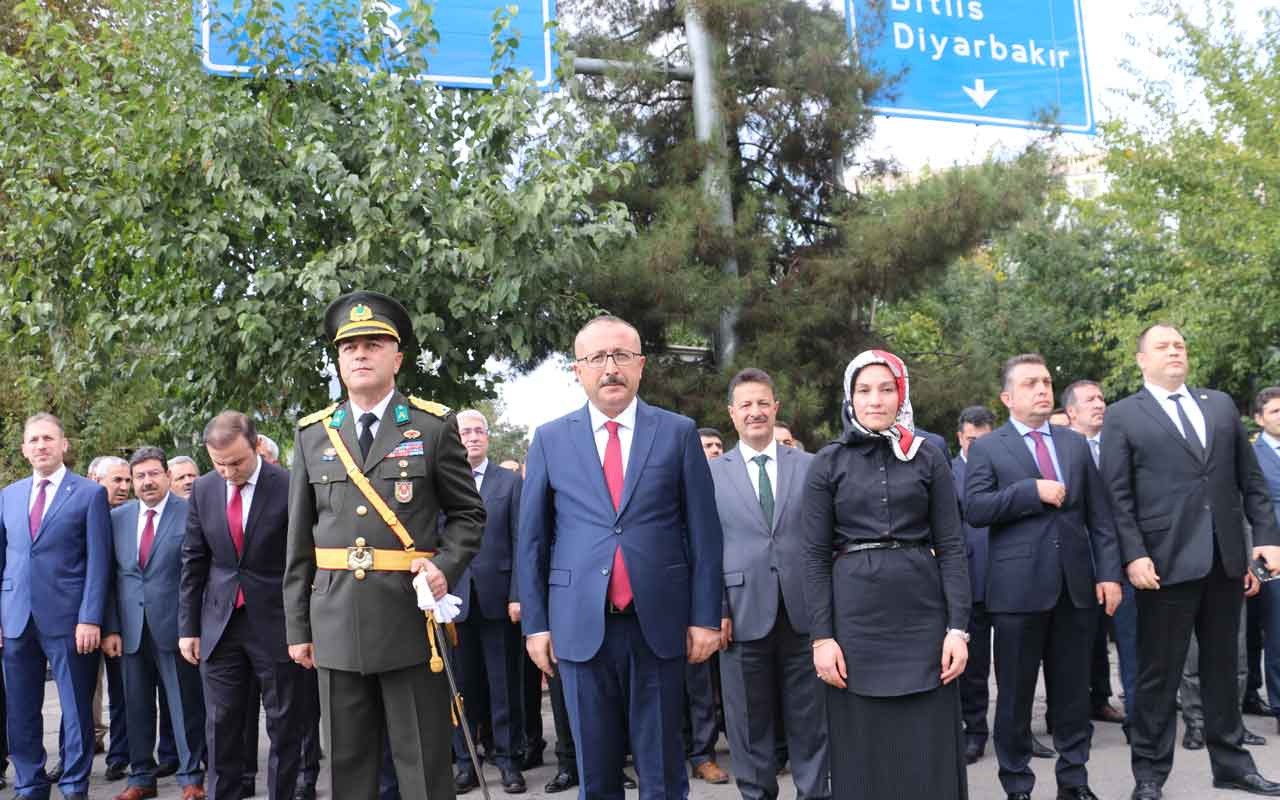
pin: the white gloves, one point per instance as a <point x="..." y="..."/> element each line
<point x="446" y="608"/>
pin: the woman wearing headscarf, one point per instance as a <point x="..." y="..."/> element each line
<point x="887" y="590"/>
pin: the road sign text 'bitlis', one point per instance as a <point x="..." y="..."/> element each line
<point x="1000" y="62"/>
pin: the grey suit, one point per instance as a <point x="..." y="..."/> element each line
<point x="144" y="611"/>
<point x="769" y="665"/>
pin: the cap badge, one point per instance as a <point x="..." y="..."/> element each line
<point x="361" y="313"/>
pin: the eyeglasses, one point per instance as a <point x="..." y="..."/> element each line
<point x="621" y="358"/>
<point x="473" y="432"/>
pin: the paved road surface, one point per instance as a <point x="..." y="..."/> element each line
<point x="1109" y="768"/>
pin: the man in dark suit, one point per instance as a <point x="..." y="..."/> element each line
<point x="55" y="559"/>
<point x="620" y="554"/>
<point x="1266" y="412"/>
<point x="142" y="627"/>
<point x="767" y="664"/>
<point x="490" y="650"/>
<point x="1052" y="559"/>
<point x="1181" y="471"/>
<point x="230" y="613"/>
<point x="975" y="422"/>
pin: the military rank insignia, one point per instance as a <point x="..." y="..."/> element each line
<point x="404" y="491"/>
<point x="339" y="417"/>
<point x="402" y="415"/>
<point x="329" y="454"/>
<point x="413" y="433"/>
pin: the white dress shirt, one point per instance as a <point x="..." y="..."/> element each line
<point x="626" y="430"/>
<point x="378" y="411"/>
<point x="55" y="480"/>
<point x="143" y="508"/>
<point x="1189" y="406"/>
<point x="246" y="495"/>
<point x="478" y="472"/>
<point x="753" y="469"/>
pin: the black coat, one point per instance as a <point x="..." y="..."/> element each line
<point x="489" y="573"/>
<point x="212" y="572"/>
<point x="1171" y="506"/>
<point x="888" y="609"/>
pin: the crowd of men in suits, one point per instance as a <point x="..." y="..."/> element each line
<point x="1137" y="522"/>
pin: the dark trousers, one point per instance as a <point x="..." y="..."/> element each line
<point x="1125" y="623"/>
<point x="1255" y="633"/>
<point x="1167" y="616"/>
<point x="146" y="671"/>
<point x="531" y="741"/>
<point x="1270" y="597"/>
<point x="699" y="728"/>
<point x="975" y="693"/>
<point x="310" y="771"/>
<point x="765" y="682"/>
<point x="566" y="751"/>
<point x="117" y="714"/>
<point x="24" y="658"/>
<point x="253" y="705"/>
<point x="1100" y="662"/>
<point x="487" y="667"/>
<point x="626" y="689"/>
<point x="166" y="744"/>
<point x="225" y="672"/>
<point x="4" y="736"/>
<point x="405" y="710"/>
<point x="1063" y="635"/>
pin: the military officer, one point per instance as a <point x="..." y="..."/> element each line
<point x="381" y="490"/>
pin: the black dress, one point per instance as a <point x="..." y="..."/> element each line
<point x="895" y="732"/>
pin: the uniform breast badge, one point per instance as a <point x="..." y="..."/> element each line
<point x="404" y="491"/>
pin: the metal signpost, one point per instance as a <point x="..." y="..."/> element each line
<point x="995" y="62"/>
<point x="461" y="58"/>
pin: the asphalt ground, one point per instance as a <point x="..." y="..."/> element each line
<point x="1109" y="773"/>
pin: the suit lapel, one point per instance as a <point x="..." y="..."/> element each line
<point x="584" y="442"/>
<point x="347" y="432"/>
<point x="1018" y="449"/>
<point x="1267" y="454"/>
<point x="129" y="531"/>
<point x="55" y="503"/>
<point x="786" y="473"/>
<point x="1152" y="407"/>
<point x="1195" y="395"/>
<point x="641" y="443"/>
<point x="741" y="483"/>
<point x="1060" y="448"/>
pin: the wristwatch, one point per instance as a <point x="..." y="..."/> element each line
<point x="964" y="635"/>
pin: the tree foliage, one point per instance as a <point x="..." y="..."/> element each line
<point x="163" y="227"/>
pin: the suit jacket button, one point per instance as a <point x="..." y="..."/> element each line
<point x="618" y="529"/>
<point x="604" y="572"/>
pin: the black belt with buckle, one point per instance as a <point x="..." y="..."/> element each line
<point x="879" y="544"/>
<point x="629" y="610"/>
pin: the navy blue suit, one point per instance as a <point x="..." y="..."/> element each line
<point x="625" y="671"/>
<point x="1269" y="460"/>
<point x="50" y="585"/>
<point x="489" y="645"/>
<point x="1043" y="565"/>
<point x="975" y="693"/>
<point x="145" y="614"/>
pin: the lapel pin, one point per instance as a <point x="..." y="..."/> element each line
<point x="412" y="433"/>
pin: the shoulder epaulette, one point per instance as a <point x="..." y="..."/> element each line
<point x="312" y="419"/>
<point x="429" y="406"/>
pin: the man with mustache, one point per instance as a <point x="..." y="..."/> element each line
<point x="620" y="553"/>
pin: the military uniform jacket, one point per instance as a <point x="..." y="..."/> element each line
<point x="419" y="467"/>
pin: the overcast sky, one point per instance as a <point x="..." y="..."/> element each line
<point x="1116" y="32"/>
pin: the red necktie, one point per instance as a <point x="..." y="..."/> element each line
<point x="235" y="523"/>
<point x="37" y="510"/>
<point x="1042" y="457"/>
<point x="148" y="538"/>
<point x="619" y="581"/>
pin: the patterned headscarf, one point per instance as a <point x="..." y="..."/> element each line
<point x="901" y="434"/>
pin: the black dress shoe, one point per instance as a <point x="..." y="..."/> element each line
<point x="1040" y="750"/>
<point x="166" y="769"/>
<point x="973" y="751"/>
<point x="1106" y="713"/>
<point x="564" y="780"/>
<point x="1254" y="705"/>
<point x="1252" y="739"/>
<point x="513" y="781"/>
<point x="1076" y="793"/>
<point x="1253" y="783"/>
<point x="1193" y="739"/>
<point x="248" y="788"/>
<point x="114" y="772"/>
<point x="465" y="780"/>
<point x="628" y="782"/>
<point x="1147" y="790"/>
<point x="305" y="793"/>
<point x="1018" y="796"/>
<point x="55" y="772"/>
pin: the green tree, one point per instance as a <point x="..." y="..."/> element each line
<point x="162" y="227"/>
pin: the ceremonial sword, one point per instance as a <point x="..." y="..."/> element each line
<point x="443" y="636"/>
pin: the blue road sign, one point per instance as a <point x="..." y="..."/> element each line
<point x="996" y="62"/>
<point x="461" y="58"/>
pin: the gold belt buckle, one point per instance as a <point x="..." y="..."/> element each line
<point x="359" y="559"/>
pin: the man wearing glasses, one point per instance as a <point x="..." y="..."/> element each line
<point x="619" y="565"/>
